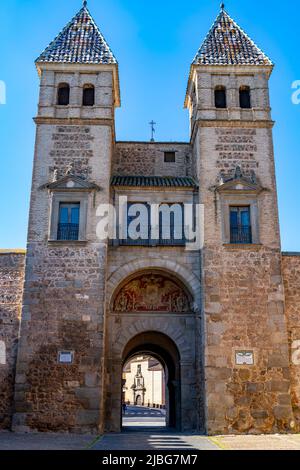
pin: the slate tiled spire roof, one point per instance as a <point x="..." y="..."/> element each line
<point x="227" y="44"/>
<point x="79" y="42"/>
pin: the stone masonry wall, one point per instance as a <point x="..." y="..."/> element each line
<point x="244" y="311"/>
<point x="147" y="159"/>
<point x="63" y="303"/>
<point x="11" y="288"/>
<point x="291" y="277"/>
<point x="243" y="296"/>
<point x="61" y="312"/>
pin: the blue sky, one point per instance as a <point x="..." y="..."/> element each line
<point x="154" y="43"/>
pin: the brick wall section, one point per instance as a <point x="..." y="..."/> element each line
<point x="147" y="159"/>
<point x="291" y="277"/>
<point x="11" y="286"/>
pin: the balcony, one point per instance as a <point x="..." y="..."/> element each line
<point x="160" y="242"/>
<point x="68" y="232"/>
<point x="241" y="235"/>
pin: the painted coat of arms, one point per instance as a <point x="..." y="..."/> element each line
<point x="152" y="293"/>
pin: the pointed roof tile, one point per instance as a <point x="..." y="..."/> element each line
<point x="79" y="42"/>
<point x="227" y="44"/>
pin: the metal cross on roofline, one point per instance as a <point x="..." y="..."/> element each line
<point x="152" y="124"/>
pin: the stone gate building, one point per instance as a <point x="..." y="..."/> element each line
<point x="224" y="319"/>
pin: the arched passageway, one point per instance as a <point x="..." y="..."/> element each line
<point x="154" y="312"/>
<point x="161" y="347"/>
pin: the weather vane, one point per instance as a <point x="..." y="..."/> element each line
<point x="152" y="124"/>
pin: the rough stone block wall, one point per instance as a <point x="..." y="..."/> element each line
<point x="61" y="312"/>
<point x="11" y="289"/>
<point x="244" y="311"/>
<point x="63" y="303"/>
<point x="147" y="159"/>
<point x="291" y="277"/>
<point x="243" y="292"/>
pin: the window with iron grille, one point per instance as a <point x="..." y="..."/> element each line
<point x="240" y="225"/>
<point x="68" y="224"/>
<point x="170" y="230"/>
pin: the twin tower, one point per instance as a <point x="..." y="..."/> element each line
<point x="215" y="317"/>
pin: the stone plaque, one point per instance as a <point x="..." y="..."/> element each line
<point x="244" y="358"/>
<point x="65" y="357"/>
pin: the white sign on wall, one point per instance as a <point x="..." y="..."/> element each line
<point x="2" y="353"/>
<point x="65" y="357"/>
<point x="244" y="358"/>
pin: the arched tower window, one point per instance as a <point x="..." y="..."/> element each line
<point x="63" y="94"/>
<point x="220" y="97"/>
<point x="245" y="97"/>
<point x="88" y="97"/>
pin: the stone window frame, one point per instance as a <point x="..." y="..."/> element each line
<point x="229" y="200"/>
<point x="68" y="198"/>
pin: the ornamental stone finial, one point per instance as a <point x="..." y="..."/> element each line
<point x="70" y="169"/>
<point x="222" y="6"/>
<point x="85" y="3"/>
<point x="55" y="175"/>
<point x="238" y="172"/>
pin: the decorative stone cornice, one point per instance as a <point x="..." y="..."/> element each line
<point x="73" y="121"/>
<point x="236" y="123"/>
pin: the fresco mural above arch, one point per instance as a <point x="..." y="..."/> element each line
<point x="152" y="293"/>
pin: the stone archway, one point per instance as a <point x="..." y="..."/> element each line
<point x="161" y="347"/>
<point x="158" y="302"/>
<point x="167" y="266"/>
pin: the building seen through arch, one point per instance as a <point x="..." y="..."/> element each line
<point x="144" y="382"/>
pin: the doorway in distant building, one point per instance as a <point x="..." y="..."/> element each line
<point x="138" y="401"/>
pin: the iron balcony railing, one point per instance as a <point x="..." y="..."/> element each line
<point x="68" y="232"/>
<point x="159" y="242"/>
<point x="241" y="235"/>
